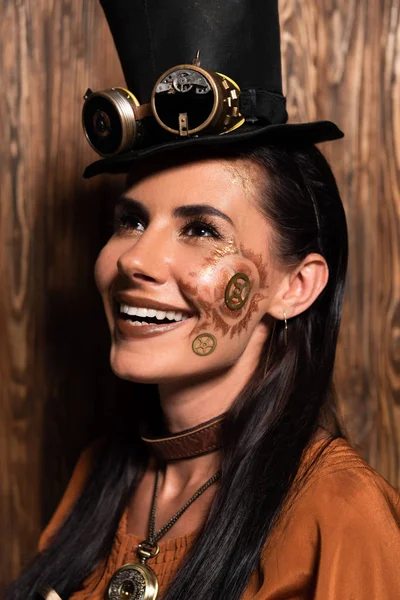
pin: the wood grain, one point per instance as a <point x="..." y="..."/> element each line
<point x="351" y="75"/>
<point x="341" y="61"/>
<point x="55" y="378"/>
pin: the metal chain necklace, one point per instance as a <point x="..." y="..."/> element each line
<point x="137" y="581"/>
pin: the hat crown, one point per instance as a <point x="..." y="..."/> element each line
<point x="239" y="38"/>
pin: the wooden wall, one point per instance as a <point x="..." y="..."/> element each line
<point x="341" y="62"/>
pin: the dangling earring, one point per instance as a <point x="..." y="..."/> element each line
<point x="285" y="330"/>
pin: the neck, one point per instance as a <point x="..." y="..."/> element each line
<point x="187" y="403"/>
<point x="181" y="474"/>
<point x="184" y="408"/>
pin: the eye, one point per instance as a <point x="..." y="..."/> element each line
<point x="127" y="222"/>
<point x="200" y="228"/>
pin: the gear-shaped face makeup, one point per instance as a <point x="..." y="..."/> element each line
<point x="187" y="278"/>
<point x="237" y="291"/>
<point x="204" y="344"/>
<point x="226" y="302"/>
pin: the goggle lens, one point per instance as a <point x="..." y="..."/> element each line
<point x="183" y="92"/>
<point x="102" y="124"/>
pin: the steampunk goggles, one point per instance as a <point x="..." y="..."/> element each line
<point x="186" y="100"/>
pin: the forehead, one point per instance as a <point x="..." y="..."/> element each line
<point x="228" y="185"/>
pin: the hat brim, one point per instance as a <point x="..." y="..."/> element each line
<point x="305" y="133"/>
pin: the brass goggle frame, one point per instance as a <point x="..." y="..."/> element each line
<point x="186" y="100"/>
<point x="112" y="120"/>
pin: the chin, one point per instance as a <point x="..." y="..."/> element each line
<point x="164" y="368"/>
<point x="134" y="368"/>
<point x="142" y="368"/>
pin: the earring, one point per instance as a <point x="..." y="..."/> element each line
<point x="285" y="330"/>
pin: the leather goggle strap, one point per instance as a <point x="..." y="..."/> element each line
<point x="260" y="104"/>
<point x="142" y="111"/>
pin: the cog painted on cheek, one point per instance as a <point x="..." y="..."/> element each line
<point x="237" y="291"/>
<point x="204" y="344"/>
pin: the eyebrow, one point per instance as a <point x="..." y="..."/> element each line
<point x="131" y="203"/>
<point x="197" y="210"/>
<point x="181" y="212"/>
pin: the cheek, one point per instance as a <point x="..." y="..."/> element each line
<point x="105" y="268"/>
<point x="229" y="296"/>
<point x="232" y="286"/>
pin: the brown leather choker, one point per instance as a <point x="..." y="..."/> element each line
<point x="202" y="439"/>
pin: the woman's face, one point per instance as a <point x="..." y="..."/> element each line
<point x="188" y="275"/>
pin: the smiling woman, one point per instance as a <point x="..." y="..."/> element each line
<point x="187" y="253"/>
<point x="222" y="285"/>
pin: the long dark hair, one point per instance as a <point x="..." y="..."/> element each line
<point x="267" y="429"/>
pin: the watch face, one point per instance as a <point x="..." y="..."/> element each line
<point x="133" y="582"/>
<point x="130" y="585"/>
<point x="184" y="91"/>
<point x="102" y="125"/>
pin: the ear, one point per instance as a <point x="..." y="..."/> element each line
<point x="300" y="287"/>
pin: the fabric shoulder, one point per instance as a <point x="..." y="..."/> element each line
<point x="341" y="467"/>
<point x="357" y="515"/>
<point x="340" y="494"/>
<point x="74" y="489"/>
<point x="340" y="535"/>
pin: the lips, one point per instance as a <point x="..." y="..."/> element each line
<point x="123" y="297"/>
<point x="129" y="330"/>
<point x="136" y="314"/>
<point x="138" y="317"/>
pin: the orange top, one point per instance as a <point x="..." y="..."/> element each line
<point x="340" y="540"/>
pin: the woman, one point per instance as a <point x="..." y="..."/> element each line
<point x="222" y="285"/>
<point x="339" y="538"/>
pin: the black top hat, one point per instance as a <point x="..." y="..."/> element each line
<point x="199" y="72"/>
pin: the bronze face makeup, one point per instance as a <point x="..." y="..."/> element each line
<point x="243" y="323"/>
<point x="257" y="260"/>
<point x="234" y="303"/>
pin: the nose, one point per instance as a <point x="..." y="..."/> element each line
<point x="147" y="259"/>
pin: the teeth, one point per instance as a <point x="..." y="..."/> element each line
<point x="171" y="315"/>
